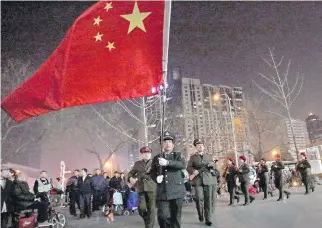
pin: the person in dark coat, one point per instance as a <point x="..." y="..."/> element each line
<point x="23" y="199"/>
<point x="85" y="193"/>
<point x="123" y="181"/>
<point x="146" y="187"/>
<point x="243" y="175"/>
<point x="73" y="190"/>
<point x="6" y="197"/>
<point x="166" y="171"/>
<point x="263" y="177"/>
<point x="229" y="175"/>
<point x="106" y="194"/>
<point x="99" y="186"/>
<point x="115" y="181"/>
<point x="277" y="169"/>
<point x="304" y="168"/>
<point x="199" y="167"/>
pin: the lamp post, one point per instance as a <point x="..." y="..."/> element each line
<point x="217" y="97"/>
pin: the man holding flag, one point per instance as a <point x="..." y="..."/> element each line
<point x="166" y="171"/>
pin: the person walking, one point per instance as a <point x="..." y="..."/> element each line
<point x="146" y="187"/>
<point x="263" y="177"/>
<point x="304" y="168"/>
<point x="199" y="168"/>
<point x="277" y="169"/>
<point x="230" y="175"/>
<point x="243" y="175"/>
<point x="166" y="171"/>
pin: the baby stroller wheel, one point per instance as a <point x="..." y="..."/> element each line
<point x="126" y="213"/>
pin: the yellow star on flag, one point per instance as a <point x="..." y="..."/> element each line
<point x="97" y="20"/>
<point x="108" y="6"/>
<point x="136" y="18"/>
<point x="110" y="46"/>
<point x="98" y="37"/>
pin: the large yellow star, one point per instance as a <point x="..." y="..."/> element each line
<point x="110" y="46"/>
<point x="136" y="18"/>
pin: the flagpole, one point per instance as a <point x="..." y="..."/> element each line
<point x="163" y="98"/>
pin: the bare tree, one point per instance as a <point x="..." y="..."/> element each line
<point x="262" y="124"/>
<point x="17" y="137"/>
<point x="103" y="159"/>
<point x="281" y="87"/>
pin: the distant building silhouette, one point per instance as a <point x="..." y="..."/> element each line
<point x="314" y="127"/>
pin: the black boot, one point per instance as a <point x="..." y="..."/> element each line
<point x="208" y="223"/>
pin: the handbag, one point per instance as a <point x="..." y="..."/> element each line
<point x="29" y="221"/>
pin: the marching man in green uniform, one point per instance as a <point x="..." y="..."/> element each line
<point x="277" y="169"/>
<point x="199" y="168"/>
<point x="304" y="168"/>
<point x="146" y="186"/>
<point x="166" y="171"/>
<point x="243" y="175"/>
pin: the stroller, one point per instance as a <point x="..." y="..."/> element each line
<point x="132" y="203"/>
<point x="188" y="198"/>
<point x="114" y="205"/>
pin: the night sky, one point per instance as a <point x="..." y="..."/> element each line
<point x="218" y="42"/>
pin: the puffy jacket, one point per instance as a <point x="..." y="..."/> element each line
<point x="22" y="197"/>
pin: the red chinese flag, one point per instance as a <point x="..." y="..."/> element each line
<point x="113" y="51"/>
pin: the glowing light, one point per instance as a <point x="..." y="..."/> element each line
<point x="216" y="97"/>
<point x="107" y="164"/>
<point x="154" y="90"/>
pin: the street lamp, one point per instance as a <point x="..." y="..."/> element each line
<point x="216" y="97"/>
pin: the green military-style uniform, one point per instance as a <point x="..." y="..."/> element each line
<point x="243" y="175"/>
<point x="146" y="188"/>
<point x="277" y="169"/>
<point x="171" y="191"/>
<point x="304" y="168"/>
<point x="203" y="182"/>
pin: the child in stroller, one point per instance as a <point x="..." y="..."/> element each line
<point x="114" y="204"/>
<point x="122" y="204"/>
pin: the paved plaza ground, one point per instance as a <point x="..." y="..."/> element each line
<point x="300" y="211"/>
